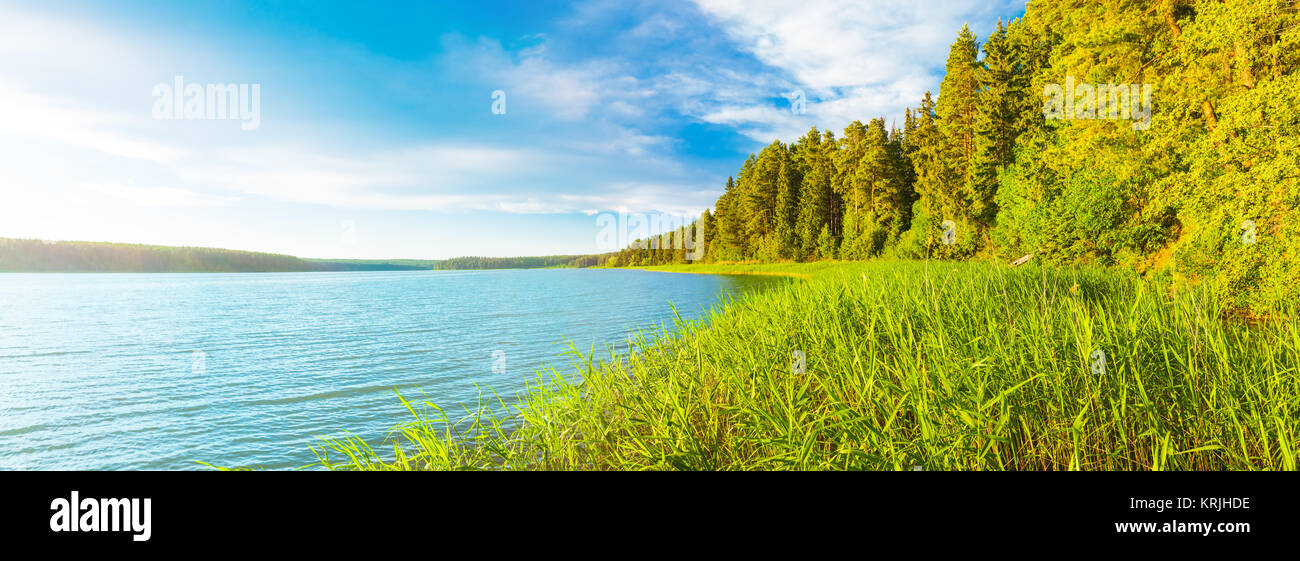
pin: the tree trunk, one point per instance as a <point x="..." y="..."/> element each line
<point x="1168" y="13"/>
<point x="1247" y="73"/>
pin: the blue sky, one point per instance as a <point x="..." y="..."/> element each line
<point x="375" y="134"/>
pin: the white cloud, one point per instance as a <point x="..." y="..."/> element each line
<point x="45" y="117"/>
<point x="567" y="91"/>
<point x="677" y="199"/>
<point x="442" y="178"/>
<point x="844" y="43"/>
<point x="618" y="140"/>
<point x="856" y="59"/>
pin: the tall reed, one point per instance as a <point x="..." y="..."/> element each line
<point x="946" y="366"/>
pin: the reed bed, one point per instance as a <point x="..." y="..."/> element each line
<point x="905" y="365"/>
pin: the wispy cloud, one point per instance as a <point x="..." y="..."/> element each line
<point x="535" y="81"/>
<point x="437" y="178"/>
<point x="854" y="59"/>
<point x="27" y="115"/>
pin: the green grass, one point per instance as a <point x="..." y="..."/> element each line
<point x="948" y="366"/>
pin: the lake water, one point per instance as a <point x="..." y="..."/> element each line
<point x="155" y="371"/>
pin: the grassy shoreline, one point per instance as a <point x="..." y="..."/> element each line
<point x="746" y="269"/>
<point x="934" y="364"/>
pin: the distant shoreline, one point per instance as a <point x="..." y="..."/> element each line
<point x="40" y="256"/>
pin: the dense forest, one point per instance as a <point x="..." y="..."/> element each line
<point x="1157" y="135"/>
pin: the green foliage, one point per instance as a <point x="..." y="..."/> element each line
<point x="826" y="246"/>
<point x="788" y="184"/>
<point x="995" y="123"/>
<point x="818" y="207"/>
<point x="984" y="163"/>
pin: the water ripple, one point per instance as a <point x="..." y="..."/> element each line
<point x="156" y="371"/>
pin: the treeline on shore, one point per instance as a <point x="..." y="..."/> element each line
<point x="39" y="256"/>
<point x="1049" y="144"/>
<point x="542" y="262"/>
<point x="18" y="255"/>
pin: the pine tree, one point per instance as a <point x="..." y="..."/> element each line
<point x="817" y="202"/>
<point x="931" y="182"/>
<point x="728" y="240"/>
<point x="956" y="113"/>
<point x="741" y="209"/>
<point x="880" y="194"/>
<point x="995" y="125"/>
<point x="847" y="158"/>
<point x="788" y="186"/>
<point x="957" y="109"/>
<point x="760" y="189"/>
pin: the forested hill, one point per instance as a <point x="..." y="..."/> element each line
<point x="542" y="262"/>
<point x="374" y="264"/>
<point x="92" y="257"/>
<point x="1158" y="135"/>
<point x="37" y="256"/>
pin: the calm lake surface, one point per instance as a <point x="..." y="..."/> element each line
<point x="155" y="371"/>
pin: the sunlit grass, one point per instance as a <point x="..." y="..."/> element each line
<point x="948" y="366"/>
